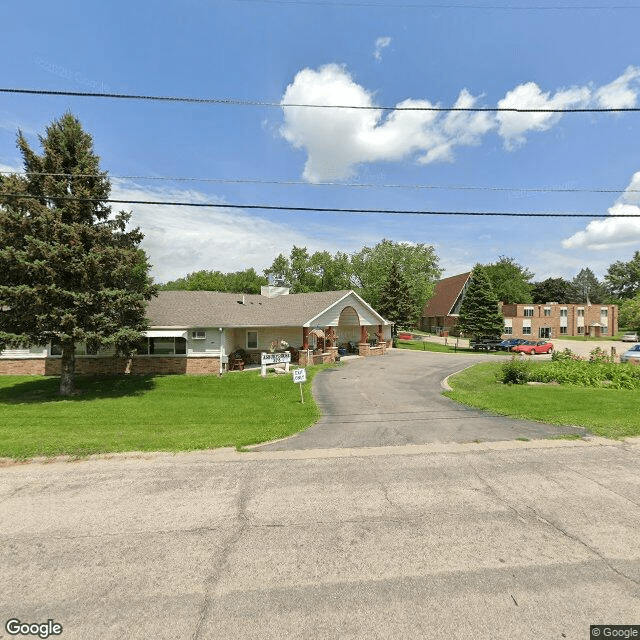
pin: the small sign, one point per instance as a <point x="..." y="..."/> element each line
<point x="299" y="375"/>
<point x="275" y="358"/>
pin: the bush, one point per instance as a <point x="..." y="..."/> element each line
<point x="566" y="355"/>
<point x="600" y="355"/>
<point x="515" y="371"/>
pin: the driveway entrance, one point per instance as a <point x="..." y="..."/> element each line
<point x="396" y="400"/>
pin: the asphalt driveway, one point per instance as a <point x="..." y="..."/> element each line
<point x="396" y="400"/>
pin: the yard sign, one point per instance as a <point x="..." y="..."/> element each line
<point x="300" y="375"/>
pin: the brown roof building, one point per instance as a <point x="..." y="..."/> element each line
<point x="530" y="321"/>
<point x="440" y="314"/>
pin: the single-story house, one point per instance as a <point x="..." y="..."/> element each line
<point x="196" y="331"/>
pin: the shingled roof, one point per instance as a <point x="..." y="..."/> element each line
<point x="445" y="295"/>
<point x="217" y="309"/>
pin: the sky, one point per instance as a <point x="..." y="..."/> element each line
<point x="368" y="53"/>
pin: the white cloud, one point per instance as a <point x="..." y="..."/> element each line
<point x="611" y="233"/>
<point x="619" y="94"/>
<point x="338" y="140"/>
<point x="181" y="240"/>
<point x="513" y="126"/>
<point x="381" y="43"/>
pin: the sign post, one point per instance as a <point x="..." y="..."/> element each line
<point x="300" y="375"/>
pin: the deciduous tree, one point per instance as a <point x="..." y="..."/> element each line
<point x="623" y="278"/>
<point x="396" y="302"/>
<point x="70" y="271"/>
<point x="511" y="282"/>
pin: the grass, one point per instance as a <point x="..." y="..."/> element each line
<point x="150" y="413"/>
<point x="416" y="345"/>
<point x="612" y="413"/>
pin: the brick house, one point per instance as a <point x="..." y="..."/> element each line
<point x="555" y="320"/>
<point x="195" y="331"/>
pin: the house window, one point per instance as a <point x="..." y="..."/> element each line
<point x="580" y="330"/>
<point x="526" y="331"/>
<point x="604" y="331"/>
<point x="163" y="347"/>
<point x="563" y="330"/>
<point x="544" y="332"/>
<point x="56" y="349"/>
<point x="252" y="339"/>
<point x="528" y="312"/>
<point x="547" y="311"/>
<point x="198" y="334"/>
<point x="508" y="330"/>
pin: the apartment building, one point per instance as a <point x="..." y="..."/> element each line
<point x="555" y="320"/>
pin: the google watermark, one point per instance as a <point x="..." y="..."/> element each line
<point x="46" y="629"/>
<point x="598" y="631"/>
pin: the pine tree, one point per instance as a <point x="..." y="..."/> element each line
<point x="479" y="315"/>
<point x="396" y="303"/>
<point x="69" y="270"/>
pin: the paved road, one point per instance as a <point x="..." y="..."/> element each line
<point x="397" y="399"/>
<point x="493" y="541"/>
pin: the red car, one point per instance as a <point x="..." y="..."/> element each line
<point x="531" y="348"/>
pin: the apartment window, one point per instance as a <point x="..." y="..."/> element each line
<point x="252" y="339"/>
<point x="526" y="331"/>
<point x="563" y="312"/>
<point x="508" y="330"/>
<point x="547" y="311"/>
<point x="580" y="313"/>
<point x="604" y="312"/>
<point x="563" y="330"/>
<point x="580" y="330"/>
<point x="528" y="312"/>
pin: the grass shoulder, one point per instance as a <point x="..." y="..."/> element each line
<point x="151" y="413"/>
<point x="607" y="412"/>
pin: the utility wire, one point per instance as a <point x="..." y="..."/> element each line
<point x="360" y="185"/>
<point x="447" y="6"/>
<point x="268" y="207"/>
<point x="281" y="105"/>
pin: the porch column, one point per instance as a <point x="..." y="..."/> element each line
<point x="305" y="337"/>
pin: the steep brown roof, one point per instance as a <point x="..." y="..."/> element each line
<point x="217" y="309"/>
<point x="445" y="295"/>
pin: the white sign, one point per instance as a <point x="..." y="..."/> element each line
<point x="275" y="358"/>
<point x="299" y="375"/>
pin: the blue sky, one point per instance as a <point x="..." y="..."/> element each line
<point x="397" y="53"/>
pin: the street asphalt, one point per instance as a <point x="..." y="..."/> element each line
<point x="492" y="541"/>
<point x="397" y="399"/>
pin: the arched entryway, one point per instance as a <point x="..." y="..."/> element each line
<point x="348" y="329"/>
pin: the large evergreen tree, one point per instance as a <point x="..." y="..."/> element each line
<point x="588" y="287"/>
<point x="70" y="271"/>
<point x="479" y="315"/>
<point x="553" y="290"/>
<point x="396" y="302"/>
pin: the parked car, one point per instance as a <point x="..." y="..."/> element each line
<point x="531" y="347"/>
<point x="630" y="337"/>
<point x="485" y="344"/>
<point x="631" y="354"/>
<point x="509" y="343"/>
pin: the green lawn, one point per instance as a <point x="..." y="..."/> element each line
<point x="417" y="345"/>
<point x="612" y="413"/>
<point x="150" y="413"/>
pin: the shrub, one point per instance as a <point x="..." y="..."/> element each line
<point x="600" y="355"/>
<point x="566" y="355"/>
<point x="515" y="371"/>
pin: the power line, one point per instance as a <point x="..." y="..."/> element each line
<point x="447" y="6"/>
<point x="267" y="207"/>
<point x="361" y="185"/>
<point x="280" y="105"/>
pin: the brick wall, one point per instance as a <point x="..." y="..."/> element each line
<point x="97" y="366"/>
